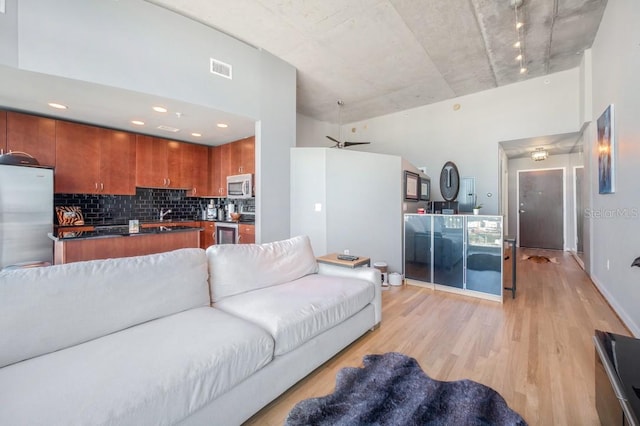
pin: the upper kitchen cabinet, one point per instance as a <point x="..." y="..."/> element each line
<point x="159" y="163"/>
<point x="3" y="132"/>
<point x="94" y="160"/>
<point x="31" y="134"/>
<point x="242" y="156"/>
<point x="218" y="170"/>
<point x="195" y="169"/>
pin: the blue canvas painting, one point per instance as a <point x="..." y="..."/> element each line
<point x="605" y="152"/>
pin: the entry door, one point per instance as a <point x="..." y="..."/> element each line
<point x="541" y="212"/>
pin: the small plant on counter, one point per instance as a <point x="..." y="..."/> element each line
<point x="476" y="205"/>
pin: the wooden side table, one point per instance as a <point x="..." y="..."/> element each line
<point x="332" y="259"/>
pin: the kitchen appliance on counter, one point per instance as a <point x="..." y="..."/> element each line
<point x="231" y="208"/>
<point x="26" y="216"/>
<point x="240" y="186"/>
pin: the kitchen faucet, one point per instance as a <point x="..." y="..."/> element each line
<point x="163" y="214"/>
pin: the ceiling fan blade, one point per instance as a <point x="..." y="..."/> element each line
<point x="356" y="143"/>
<point x="333" y="139"/>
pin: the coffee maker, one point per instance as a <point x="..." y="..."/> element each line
<point x="230" y="208"/>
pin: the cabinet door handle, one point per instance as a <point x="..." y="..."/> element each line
<point x="195" y="190"/>
<point x="96" y="185"/>
<point x="168" y="182"/>
<point x="101" y="186"/>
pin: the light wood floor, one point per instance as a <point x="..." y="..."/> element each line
<point x="536" y="350"/>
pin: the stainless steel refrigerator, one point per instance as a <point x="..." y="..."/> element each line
<point x="26" y="215"/>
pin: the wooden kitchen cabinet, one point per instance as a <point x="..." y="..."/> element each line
<point x="247" y="155"/>
<point x="247" y="234"/>
<point x="76" y="250"/>
<point x="32" y="134"/>
<point x="3" y="132"/>
<point x="94" y="160"/>
<point x="195" y="169"/>
<point x="217" y="178"/>
<point x="241" y="156"/>
<point x="158" y="163"/>
<point x="208" y="235"/>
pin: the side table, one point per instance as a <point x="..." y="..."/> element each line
<point x="332" y="259"/>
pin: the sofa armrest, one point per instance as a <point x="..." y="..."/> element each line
<point x="365" y="273"/>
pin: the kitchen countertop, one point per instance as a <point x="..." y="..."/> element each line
<point x="117" y="231"/>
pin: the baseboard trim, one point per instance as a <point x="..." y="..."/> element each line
<point x="619" y="311"/>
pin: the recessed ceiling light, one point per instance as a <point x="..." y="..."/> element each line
<point x="57" y="106"/>
<point x="519" y="57"/>
<point x="519" y="25"/>
<point x="197" y="135"/>
<point x="222" y="125"/>
<point x="137" y="122"/>
<point x="159" y="109"/>
<point x="523" y="70"/>
<point x="516" y="44"/>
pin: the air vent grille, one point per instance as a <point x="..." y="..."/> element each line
<point x="168" y="128"/>
<point x="220" y="68"/>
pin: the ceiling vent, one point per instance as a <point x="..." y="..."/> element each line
<point x="168" y="128"/>
<point x="220" y="68"/>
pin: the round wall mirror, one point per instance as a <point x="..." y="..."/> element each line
<point x="449" y="181"/>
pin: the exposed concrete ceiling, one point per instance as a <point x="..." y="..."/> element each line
<point x="379" y="56"/>
<point x="383" y="56"/>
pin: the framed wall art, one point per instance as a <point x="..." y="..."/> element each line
<point x="411" y="188"/>
<point x="425" y="189"/>
<point x="606" y="152"/>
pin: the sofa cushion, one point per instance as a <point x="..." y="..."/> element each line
<point x="46" y="309"/>
<point x="238" y="268"/>
<point x="155" y="373"/>
<point x="296" y="312"/>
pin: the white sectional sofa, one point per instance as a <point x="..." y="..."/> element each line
<point x="183" y="337"/>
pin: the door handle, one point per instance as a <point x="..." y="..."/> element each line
<point x="522" y="211"/>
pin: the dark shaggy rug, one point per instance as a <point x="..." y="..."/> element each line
<point x="392" y="389"/>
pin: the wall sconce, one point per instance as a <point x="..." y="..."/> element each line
<point x="539" y="154"/>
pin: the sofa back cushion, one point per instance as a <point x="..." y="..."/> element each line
<point x="46" y="309"/>
<point x="238" y="268"/>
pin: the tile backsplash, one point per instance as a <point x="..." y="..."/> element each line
<point x="144" y="206"/>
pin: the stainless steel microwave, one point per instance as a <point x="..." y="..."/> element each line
<point x="240" y="186"/>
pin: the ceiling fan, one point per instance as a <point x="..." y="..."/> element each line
<point x="339" y="143"/>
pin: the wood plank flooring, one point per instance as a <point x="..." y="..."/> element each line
<point x="536" y="350"/>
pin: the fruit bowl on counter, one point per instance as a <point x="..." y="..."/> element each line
<point x="235" y="217"/>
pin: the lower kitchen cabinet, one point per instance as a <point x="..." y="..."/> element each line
<point x="246" y="234"/>
<point x="208" y="234"/>
<point x="76" y="250"/>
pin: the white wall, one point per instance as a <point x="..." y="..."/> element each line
<point x="433" y="134"/>
<point x="137" y="46"/>
<point x="361" y="200"/>
<point x="615" y="232"/>
<point x="308" y="189"/>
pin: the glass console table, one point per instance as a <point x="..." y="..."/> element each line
<point x="459" y="253"/>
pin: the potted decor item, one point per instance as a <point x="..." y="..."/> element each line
<point x="476" y="206"/>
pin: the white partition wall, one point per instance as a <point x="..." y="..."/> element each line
<point x="348" y="200"/>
